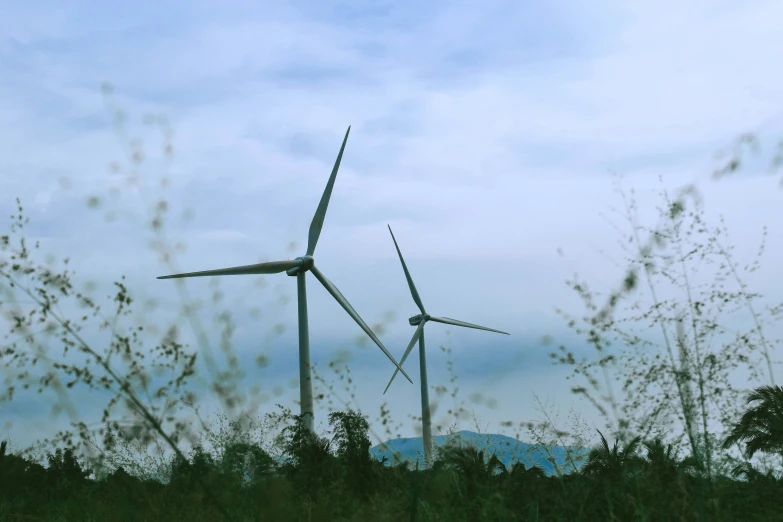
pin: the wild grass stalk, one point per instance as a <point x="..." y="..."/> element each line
<point x="287" y="473"/>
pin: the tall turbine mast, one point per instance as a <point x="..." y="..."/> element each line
<point x="299" y="267"/>
<point x="419" y="321"/>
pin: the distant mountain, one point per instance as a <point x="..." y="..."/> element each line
<point x="508" y="450"/>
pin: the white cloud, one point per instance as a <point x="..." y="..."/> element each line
<point x="485" y="137"/>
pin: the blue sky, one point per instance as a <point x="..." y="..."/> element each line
<point x="487" y="137"/>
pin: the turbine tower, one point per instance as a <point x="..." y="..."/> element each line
<point x="420" y="320"/>
<point x="298" y="267"/>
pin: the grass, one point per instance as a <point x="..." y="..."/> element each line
<point x="659" y="457"/>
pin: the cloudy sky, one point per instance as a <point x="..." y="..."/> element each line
<point x="487" y="136"/>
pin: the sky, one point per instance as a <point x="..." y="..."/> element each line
<point x="490" y="139"/>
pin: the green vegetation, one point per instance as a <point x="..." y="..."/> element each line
<point x="673" y="398"/>
<point x="336" y="479"/>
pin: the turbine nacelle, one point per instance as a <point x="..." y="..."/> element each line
<point x="416" y="319"/>
<point x="300" y="266"/>
<point x="307" y="263"/>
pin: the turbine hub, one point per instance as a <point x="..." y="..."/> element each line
<point x="416" y="319"/>
<point x="307" y="264"/>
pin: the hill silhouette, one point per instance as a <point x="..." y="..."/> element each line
<point x="508" y="450"/>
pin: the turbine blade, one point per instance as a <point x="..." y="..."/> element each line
<point x="446" y="320"/>
<point x="414" y="293"/>
<point x="348" y="308"/>
<point x="272" y="267"/>
<point x="413" y="342"/>
<point x="320" y="213"/>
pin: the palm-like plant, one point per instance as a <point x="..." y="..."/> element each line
<point x="663" y="464"/>
<point x="519" y="473"/>
<point x="751" y="474"/>
<point x="469" y="462"/>
<point x="613" y="463"/>
<point x="519" y="478"/>
<point x="761" y="427"/>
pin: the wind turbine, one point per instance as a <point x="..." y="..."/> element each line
<point x="298" y="267"/>
<point x="420" y="320"/>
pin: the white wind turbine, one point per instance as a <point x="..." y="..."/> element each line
<point x="421" y="320"/>
<point x="298" y="267"/>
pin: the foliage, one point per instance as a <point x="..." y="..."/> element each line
<point x="353" y="451"/>
<point x="684" y="379"/>
<point x="761" y="427"/>
<point x="463" y="485"/>
<point x="311" y="464"/>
